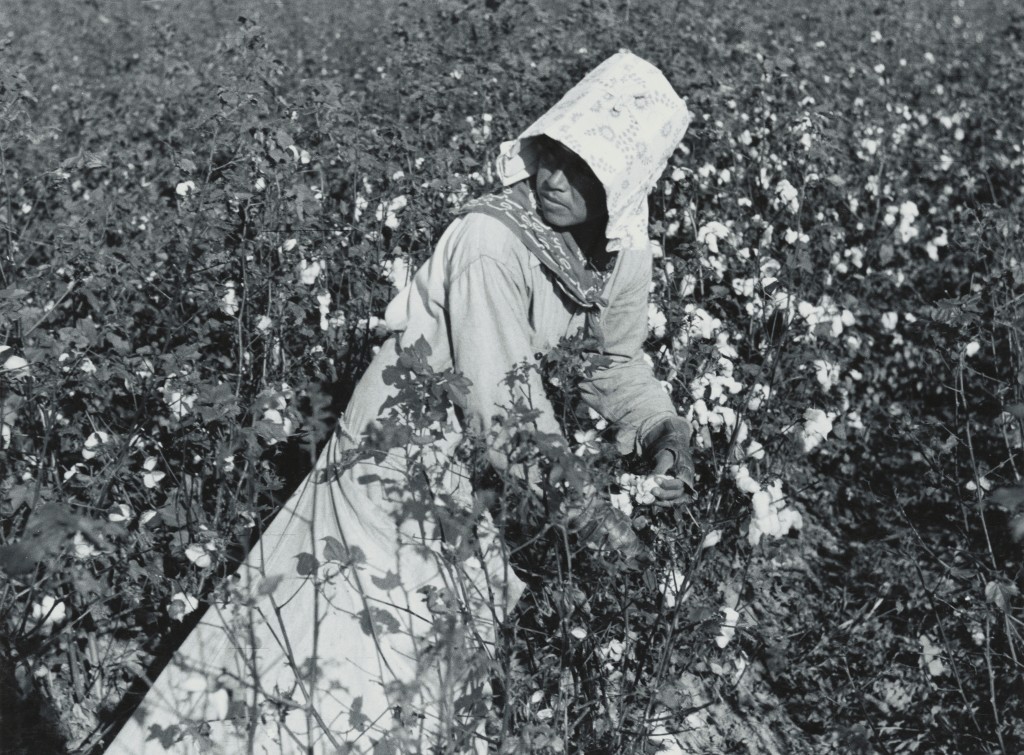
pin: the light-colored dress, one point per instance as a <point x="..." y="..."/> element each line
<point x="362" y="616"/>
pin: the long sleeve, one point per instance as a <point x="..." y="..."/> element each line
<point x="624" y="390"/>
<point x="488" y="301"/>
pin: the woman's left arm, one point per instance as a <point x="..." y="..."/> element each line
<point x="624" y="390"/>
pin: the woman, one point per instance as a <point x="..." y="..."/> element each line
<point x="363" y="616"/>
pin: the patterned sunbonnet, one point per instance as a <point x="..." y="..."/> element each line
<point x="625" y="120"/>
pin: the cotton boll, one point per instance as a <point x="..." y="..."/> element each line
<point x="728" y="629"/>
<point x="699" y="410"/>
<point x="726" y="418"/>
<point x="725" y="348"/>
<point x="622" y="502"/>
<point x="758" y="394"/>
<point x="49" y="611"/>
<point x="826" y="373"/>
<point x="181" y="605"/>
<point x="309" y="272"/>
<point x="761" y="502"/>
<point x="710" y="233"/>
<point x="324" y="306"/>
<point x="229" y="301"/>
<point x="788" y="195"/>
<point x="656" y="320"/>
<point x="744" y="286"/>
<point x="789" y="520"/>
<point x="711" y="539"/>
<point x="197" y="554"/>
<point x="398" y="272"/>
<point x="815" y="429"/>
<point x="687" y="285"/>
<point x="745" y="482"/>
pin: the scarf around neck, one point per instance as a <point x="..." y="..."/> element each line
<point x="516" y="207"/>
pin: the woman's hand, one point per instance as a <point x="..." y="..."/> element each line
<point x="671" y="490"/>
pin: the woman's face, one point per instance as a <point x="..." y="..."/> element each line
<point x="568" y="192"/>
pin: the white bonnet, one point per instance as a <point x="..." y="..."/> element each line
<point x="625" y="120"/>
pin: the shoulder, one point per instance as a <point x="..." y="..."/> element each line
<point x="477" y="237"/>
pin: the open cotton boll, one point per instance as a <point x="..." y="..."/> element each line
<point x="762" y="505"/>
<point x="229" y="301"/>
<point x="49" y="611"/>
<point x="745" y="482"/>
<point x="181" y="605"/>
<point x="656" y="320"/>
<point x="758" y="393"/>
<point x="790" y="519"/>
<point x="788" y="195"/>
<point x="770" y="515"/>
<point x="826" y="373"/>
<point x="709" y="234"/>
<point x="711" y="539"/>
<point x="815" y="429"/>
<point x="398" y="272"/>
<point x="309" y="271"/>
<point x="728" y="628"/>
<point x="699" y="412"/>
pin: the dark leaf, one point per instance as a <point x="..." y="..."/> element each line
<point x="307" y="564"/>
<point x="378" y="621"/>
<point x="334" y="550"/>
<point x="388" y="582"/>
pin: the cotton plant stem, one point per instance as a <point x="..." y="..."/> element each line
<point x="979" y="493"/>
<point x="946" y="645"/>
<point x="992" y="683"/>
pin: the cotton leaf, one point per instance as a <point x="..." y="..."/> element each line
<point x="334" y="550"/>
<point x="307" y="564"/>
<point x="1000" y="594"/>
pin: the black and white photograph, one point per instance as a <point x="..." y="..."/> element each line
<point x="487" y="377"/>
